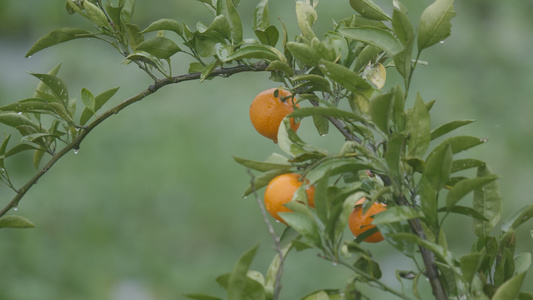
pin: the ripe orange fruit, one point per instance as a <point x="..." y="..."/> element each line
<point x="268" y="110"/>
<point x="280" y="190"/>
<point x="360" y="223"/>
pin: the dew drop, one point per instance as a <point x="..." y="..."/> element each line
<point x="442" y="42"/>
<point x="335" y="263"/>
<point x="76" y="151"/>
<point x="15" y="208"/>
<point x="29" y="56"/>
<point x="19" y="113"/>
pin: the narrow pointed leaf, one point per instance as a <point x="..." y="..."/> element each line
<point x="418" y="125"/>
<point x="488" y="202"/>
<point x="254" y="51"/>
<point x="448" y="127"/>
<point x="518" y="218"/>
<point x="58" y="36"/>
<point x="261" y="166"/>
<point x="438" y="167"/>
<point x="381" y="111"/>
<point x="463" y="187"/>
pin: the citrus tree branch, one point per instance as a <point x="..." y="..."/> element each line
<point x="84" y="131"/>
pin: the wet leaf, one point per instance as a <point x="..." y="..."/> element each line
<point x="56" y="85"/>
<point x="470" y="264"/>
<point x="487" y="201"/>
<point x="435" y="23"/>
<point x="326" y="111"/>
<point x="464" y="210"/>
<point x="95" y="14"/>
<point x="464" y="187"/>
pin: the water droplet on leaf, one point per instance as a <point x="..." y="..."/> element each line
<point x="76" y="151"/>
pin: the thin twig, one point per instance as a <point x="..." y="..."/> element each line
<point x="75" y="143"/>
<point x="275" y="237"/>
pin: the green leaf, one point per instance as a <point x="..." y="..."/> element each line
<point x="262" y="180"/>
<point x="401" y="26"/>
<point x="438" y="167"/>
<point x="254" y="51"/>
<point x="470" y="264"/>
<point x="13" y="221"/>
<point x="464" y="210"/>
<point x="378" y="37"/>
<point x="381" y="111"/>
<point x="522" y="262"/>
<point x="14" y="120"/>
<point x="227" y="8"/>
<point x="394" y="151"/>
<point x="315" y="81"/>
<point x="239" y="285"/>
<point x="275" y="265"/>
<point x="159" y="47"/>
<point x="303" y="53"/>
<point x="261" y="19"/>
<point x="369" y="53"/>
<point x="435" y="23"/>
<point x="488" y="202"/>
<point x="303" y="225"/>
<point x="95" y="14"/>
<point x="448" y="127"/>
<point x="201" y="297"/>
<point x="306" y="17"/>
<point x="43" y="88"/>
<point x="464" y="164"/>
<point x="262" y="166"/>
<point x="134" y="35"/>
<point x="165" y="24"/>
<point x="465" y="186"/>
<point x="368" y="266"/>
<point x="88" y="99"/>
<point x="518" y="218"/>
<point x="510" y="289"/>
<point x="344" y="76"/>
<point x="418" y="125"/>
<point x="396" y="214"/>
<point x="447" y="256"/>
<point x="327" y="112"/>
<point x="56" y="85"/>
<point x="269" y="36"/>
<point x="369" y="9"/>
<point x="58" y="36"/>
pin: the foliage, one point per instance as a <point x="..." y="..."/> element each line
<point x="390" y="154"/>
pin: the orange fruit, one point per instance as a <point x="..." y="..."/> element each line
<point x="359" y="222"/>
<point x="280" y="190"/>
<point x="268" y="110"/>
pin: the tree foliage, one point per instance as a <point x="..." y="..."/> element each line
<point x="392" y="153"/>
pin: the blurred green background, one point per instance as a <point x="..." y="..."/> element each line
<point x="151" y="206"/>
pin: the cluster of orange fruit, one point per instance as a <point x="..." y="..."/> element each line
<point x="267" y="111"/>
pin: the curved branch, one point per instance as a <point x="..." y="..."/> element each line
<point x="75" y="143"/>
